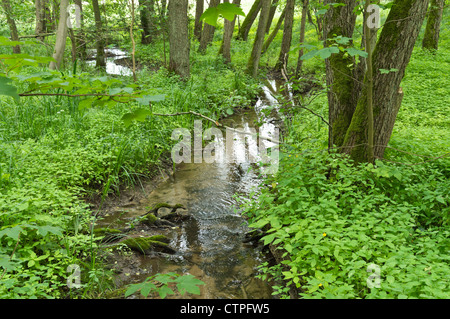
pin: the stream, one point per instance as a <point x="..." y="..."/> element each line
<point x="210" y="244"/>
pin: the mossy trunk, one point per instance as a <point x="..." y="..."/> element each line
<point x="339" y="21"/>
<point x="179" y="38"/>
<point x="11" y="23"/>
<point x="100" y="44"/>
<point x="253" y="62"/>
<point x="198" y="25"/>
<point x="431" y="36"/>
<point x="147" y="16"/>
<point x="225" y="48"/>
<point x="273" y="10"/>
<point x="302" y="36"/>
<point x="393" y="51"/>
<point x="208" y="31"/>
<point x="274" y="32"/>
<point x="248" y="21"/>
<point x="287" y="35"/>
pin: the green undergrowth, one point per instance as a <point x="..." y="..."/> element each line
<point x="365" y="231"/>
<point x="55" y="157"/>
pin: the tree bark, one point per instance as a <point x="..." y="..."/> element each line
<point x="208" y="30"/>
<point x="81" y="37"/>
<point x="253" y="62"/>
<point x="61" y="36"/>
<point x="273" y="10"/>
<point x="274" y="32"/>
<point x="341" y="101"/>
<point x="393" y="50"/>
<point x="248" y="21"/>
<point x="198" y="25"/>
<point x="40" y="18"/>
<point x="147" y="14"/>
<point x="100" y="44"/>
<point x="287" y="35"/>
<point x="12" y="24"/>
<point x="431" y="36"/>
<point x="225" y="48"/>
<point x="302" y="36"/>
<point x="179" y="37"/>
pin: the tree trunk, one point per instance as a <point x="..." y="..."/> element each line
<point x="61" y="36"/>
<point x="225" y="48"/>
<point x="274" y="32"/>
<point x="341" y="102"/>
<point x="40" y="18"/>
<point x="273" y="10"/>
<point x="198" y="25"/>
<point x="81" y="37"/>
<point x="287" y="35"/>
<point x="431" y="36"/>
<point x="393" y="50"/>
<point x="12" y="24"/>
<point x="305" y="11"/>
<point x="248" y="21"/>
<point x="100" y="45"/>
<point x="147" y="14"/>
<point x="179" y="37"/>
<point x="253" y="62"/>
<point x="208" y="31"/>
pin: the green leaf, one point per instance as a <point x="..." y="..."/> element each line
<point x="12" y="232"/>
<point x="325" y="53"/>
<point x="210" y="16"/>
<point x="309" y="55"/>
<point x="146" y="99"/>
<point x="229" y="11"/>
<point x="137" y="115"/>
<point x="353" y="52"/>
<point x="7" y="89"/>
<point x="188" y="283"/>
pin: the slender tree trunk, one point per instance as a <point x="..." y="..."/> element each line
<point x="208" y="30"/>
<point x="393" y="50"/>
<point x="11" y="23"/>
<point x="273" y="10"/>
<point x="199" y="8"/>
<point x="40" y="18"/>
<point x="305" y="11"/>
<point x="274" y="32"/>
<point x="287" y="35"/>
<point x="179" y="37"/>
<point x="100" y="44"/>
<point x="61" y="36"/>
<point x="253" y="62"/>
<point x="431" y="36"/>
<point x="225" y="48"/>
<point x="248" y="21"/>
<point x="81" y="37"/>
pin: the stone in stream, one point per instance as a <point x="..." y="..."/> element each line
<point x="146" y="245"/>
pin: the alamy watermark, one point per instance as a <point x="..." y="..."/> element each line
<point x="374" y="280"/>
<point x="238" y="146"/>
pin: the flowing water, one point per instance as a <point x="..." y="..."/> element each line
<point x="210" y="244"/>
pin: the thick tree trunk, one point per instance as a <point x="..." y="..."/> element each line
<point x="179" y="37"/>
<point x="248" y="21"/>
<point x="208" y="30"/>
<point x="431" y="36"/>
<point x="11" y="23"/>
<point x="198" y="25"/>
<point x="393" y="50"/>
<point x="225" y="48"/>
<point x="61" y="36"/>
<point x="302" y="36"/>
<point x="273" y="10"/>
<point x="253" y="62"/>
<point x="100" y="44"/>
<point x="341" y="101"/>
<point x="274" y="32"/>
<point x="287" y="35"/>
<point x="147" y="14"/>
